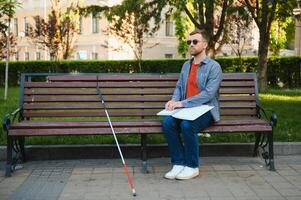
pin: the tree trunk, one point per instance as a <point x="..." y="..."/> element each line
<point x="7" y="60"/>
<point x="262" y="61"/>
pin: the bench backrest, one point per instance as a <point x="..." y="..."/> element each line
<point x="126" y="95"/>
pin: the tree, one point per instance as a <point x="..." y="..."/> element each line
<point x="133" y="21"/>
<point x="210" y="15"/>
<point x="264" y="13"/>
<point x="3" y="44"/>
<point x="7" y="10"/>
<point x="278" y="36"/>
<point x="60" y="32"/>
<point x="240" y="25"/>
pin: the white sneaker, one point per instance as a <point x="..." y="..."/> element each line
<point x="176" y="169"/>
<point x="188" y="173"/>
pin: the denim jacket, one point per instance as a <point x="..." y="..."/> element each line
<point x="209" y="77"/>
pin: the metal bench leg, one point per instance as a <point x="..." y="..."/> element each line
<point x="257" y="136"/>
<point x="271" y="151"/>
<point x="22" y="148"/>
<point x="144" y="153"/>
<point x="9" y="156"/>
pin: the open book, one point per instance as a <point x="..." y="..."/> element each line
<point x="187" y="113"/>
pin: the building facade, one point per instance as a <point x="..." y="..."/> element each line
<point x="93" y="43"/>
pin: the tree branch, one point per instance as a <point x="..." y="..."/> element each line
<point x="192" y="18"/>
<point x="222" y="21"/>
<point x="252" y="11"/>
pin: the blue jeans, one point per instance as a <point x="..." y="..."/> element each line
<point x="185" y="150"/>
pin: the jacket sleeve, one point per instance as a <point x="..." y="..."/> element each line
<point x="210" y="90"/>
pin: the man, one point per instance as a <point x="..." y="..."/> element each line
<point x="198" y="84"/>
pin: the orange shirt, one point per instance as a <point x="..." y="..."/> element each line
<point x="192" y="88"/>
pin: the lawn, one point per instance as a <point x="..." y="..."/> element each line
<point x="285" y="102"/>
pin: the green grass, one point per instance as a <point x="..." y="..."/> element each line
<point x="285" y="102"/>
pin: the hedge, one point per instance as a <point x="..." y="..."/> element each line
<point x="282" y="71"/>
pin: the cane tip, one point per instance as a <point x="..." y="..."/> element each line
<point x="134" y="192"/>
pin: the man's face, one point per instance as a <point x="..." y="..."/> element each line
<point x="197" y="44"/>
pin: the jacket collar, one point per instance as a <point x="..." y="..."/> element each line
<point x="205" y="61"/>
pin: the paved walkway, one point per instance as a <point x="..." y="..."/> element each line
<point x="221" y="178"/>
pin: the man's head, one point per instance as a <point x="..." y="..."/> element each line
<point x="197" y="42"/>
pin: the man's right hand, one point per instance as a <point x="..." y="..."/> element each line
<point x="171" y="105"/>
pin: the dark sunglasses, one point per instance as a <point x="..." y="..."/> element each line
<point x="194" y="42"/>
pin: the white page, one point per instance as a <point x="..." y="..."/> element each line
<point x="192" y="113"/>
<point x="187" y="113"/>
<point x="167" y="112"/>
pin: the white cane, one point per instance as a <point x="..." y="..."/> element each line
<point x="115" y="138"/>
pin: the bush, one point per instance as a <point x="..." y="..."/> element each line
<point x="282" y="71"/>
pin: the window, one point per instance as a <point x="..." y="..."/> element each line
<point x="16" y="26"/>
<point x="80" y="25"/>
<point x="26" y="27"/>
<point x="81" y="55"/>
<point x="26" y="56"/>
<point x="38" y="56"/>
<point x="16" y="55"/>
<point x="168" y="55"/>
<point x="38" y="25"/>
<point x="168" y="25"/>
<point x="95" y="24"/>
<point x="94" y="56"/>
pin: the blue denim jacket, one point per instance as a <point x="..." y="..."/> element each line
<point x="209" y="77"/>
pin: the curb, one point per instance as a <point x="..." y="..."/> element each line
<point x="58" y="152"/>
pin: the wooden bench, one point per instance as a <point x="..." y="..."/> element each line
<point x="66" y="104"/>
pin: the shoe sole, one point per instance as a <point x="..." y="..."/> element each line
<point x="169" y="178"/>
<point x="186" y="178"/>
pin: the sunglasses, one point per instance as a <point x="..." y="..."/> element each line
<point x="194" y="42"/>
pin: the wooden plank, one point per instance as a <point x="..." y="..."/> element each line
<point x="238" y="112"/>
<point x="237" y="91"/>
<point x="83" y="124"/>
<point x="133" y="130"/>
<point x="238" y="129"/>
<point x="234" y="122"/>
<point x="65" y="91"/>
<point x="238" y="76"/>
<point x="237" y="98"/>
<point x="124" y="98"/>
<point x="237" y="83"/>
<point x="68" y="106"/>
<point x="234" y="105"/>
<point x="164" y="84"/>
<point x="132" y="123"/>
<point x="116" y="77"/>
<point x="101" y="113"/>
<point x="83" y="131"/>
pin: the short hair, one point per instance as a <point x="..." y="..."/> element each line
<point x="202" y="32"/>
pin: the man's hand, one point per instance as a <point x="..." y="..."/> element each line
<point x="171" y="105"/>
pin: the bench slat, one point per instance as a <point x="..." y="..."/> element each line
<point x="237" y="91"/>
<point x="94" y="91"/>
<point x="84" y="131"/>
<point x="101" y="84"/>
<point x="101" y="113"/>
<point x="133" y="130"/>
<point x="132" y="123"/>
<point x="66" y="106"/>
<point x="108" y="77"/>
<point x="238" y="129"/>
<point x="95" y="98"/>
<point x="125" y="98"/>
<point x="137" y="105"/>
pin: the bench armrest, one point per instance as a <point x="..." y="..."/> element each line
<point x="9" y="118"/>
<point x="273" y="117"/>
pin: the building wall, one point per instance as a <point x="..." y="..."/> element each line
<point x="106" y="46"/>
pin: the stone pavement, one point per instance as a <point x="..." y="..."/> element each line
<point x="221" y="178"/>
